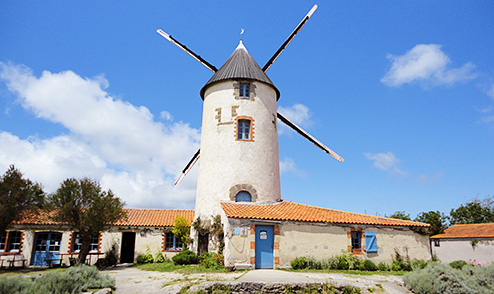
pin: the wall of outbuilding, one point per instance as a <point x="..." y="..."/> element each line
<point x="294" y="239"/>
<point x="472" y="250"/>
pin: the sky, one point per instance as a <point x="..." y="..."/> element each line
<point x="402" y="90"/>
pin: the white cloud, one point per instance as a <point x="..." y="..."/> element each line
<point x="430" y="178"/>
<point x="488" y="113"/>
<point x="385" y="162"/>
<point x="297" y="113"/>
<point x="425" y="64"/>
<point x="287" y="165"/>
<point x="108" y="139"/>
<point x="491" y="92"/>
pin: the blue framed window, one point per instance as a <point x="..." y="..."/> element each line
<point x="356" y="239"/>
<point x="172" y="242"/>
<point x="243" y="196"/>
<point x="244" y="90"/>
<point x="243" y="129"/>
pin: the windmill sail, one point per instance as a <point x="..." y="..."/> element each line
<point x="309" y="137"/>
<point x="289" y="39"/>
<point x="188" y="51"/>
<point x="188" y="167"/>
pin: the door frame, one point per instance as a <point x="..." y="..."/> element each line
<point x="264" y="250"/>
<point x="47" y="253"/>
<point x="128" y="243"/>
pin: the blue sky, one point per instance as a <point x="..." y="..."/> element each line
<point x="403" y="91"/>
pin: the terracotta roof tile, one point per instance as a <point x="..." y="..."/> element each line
<point x="467" y="231"/>
<point x="287" y="210"/>
<point x="154" y="217"/>
<point x="135" y="217"/>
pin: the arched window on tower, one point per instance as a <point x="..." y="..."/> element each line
<point x="243" y="196"/>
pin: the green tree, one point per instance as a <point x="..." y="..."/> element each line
<point x="400" y="215"/>
<point x="436" y="219"/>
<point x="474" y="212"/>
<point x="17" y="196"/>
<point x="181" y="229"/>
<point x="84" y="207"/>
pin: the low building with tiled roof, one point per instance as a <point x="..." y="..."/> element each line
<point x="470" y="242"/>
<point x="38" y="240"/>
<point x="305" y="230"/>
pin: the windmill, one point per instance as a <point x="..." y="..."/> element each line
<point x="239" y="139"/>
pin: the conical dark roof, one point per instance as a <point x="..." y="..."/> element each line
<point x="240" y="65"/>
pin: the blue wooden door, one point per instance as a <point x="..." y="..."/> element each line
<point x="264" y="246"/>
<point x="46" y="249"/>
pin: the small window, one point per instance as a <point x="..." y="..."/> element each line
<point x="437" y="243"/>
<point x="243" y="196"/>
<point x="10" y="241"/>
<point x="243" y="131"/>
<point x="172" y="242"/>
<point x="356" y="236"/>
<point x="77" y="242"/>
<point x="244" y="90"/>
<point x="3" y="240"/>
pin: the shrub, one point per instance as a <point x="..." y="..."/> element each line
<point x="299" y="263"/>
<point x="74" y="280"/>
<point x="159" y="258"/>
<point x="418" y="264"/>
<point x="111" y="256"/>
<point x="369" y="265"/>
<point x="211" y="260"/>
<point x="185" y="257"/>
<point x="400" y="263"/>
<point x="144" y="258"/>
<point x="441" y="278"/>
<point x="458" y="264"/>
<point x="383" y="267"/>
<point x="15" y="285"/>
<point x="313" y="263"/>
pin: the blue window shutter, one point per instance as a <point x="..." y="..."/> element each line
<point x="370" y="242"/>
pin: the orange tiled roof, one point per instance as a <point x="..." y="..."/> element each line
<point x="154" y="217"/>
<point x="287" y="210"/>
<point x="468" y="231"/>
<point x="135" y="217"/>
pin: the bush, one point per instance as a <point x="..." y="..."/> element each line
<point x="211" y="260"/>
<point x="159" y="258"/>
<point x="400" y="263"/>
<point x="299" y="263"/>
<point x="74" y="280"/>
<point x="185" y="257"/>
<point x="383" y="267"/>
<point x="458" y="264"/>
<point x="313" y="263"/>
<point x="369" y="265"/>
<point x="144" y="258"/>
<point x="441" y="278"/>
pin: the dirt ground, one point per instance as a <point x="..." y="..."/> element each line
<point x="132" y="280"/>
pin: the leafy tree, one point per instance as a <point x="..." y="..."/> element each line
<point x="400" y="215"/>
<point x="182" y="231"/>
<point x="473" y="212"/>
<point x="17" y="196"/>
<point x="436" y="219"/>
<point x="84" y="207"/>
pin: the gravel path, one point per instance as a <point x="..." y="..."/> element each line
<point x="132" y="280"/>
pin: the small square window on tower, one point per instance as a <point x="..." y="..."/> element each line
<point x="244" y="90"/>
<point x="243" y="131"/>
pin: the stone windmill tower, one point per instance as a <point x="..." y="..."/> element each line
<point x="239" y="139"/>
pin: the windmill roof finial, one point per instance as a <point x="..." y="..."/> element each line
<point x="241" y="34"/>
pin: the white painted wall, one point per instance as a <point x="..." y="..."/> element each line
<point x="461" y="249"/>
<point x="226" y="162"/>
<point x="322" y="241"/>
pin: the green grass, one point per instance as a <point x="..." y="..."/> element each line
<point x="169" y="266"/>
